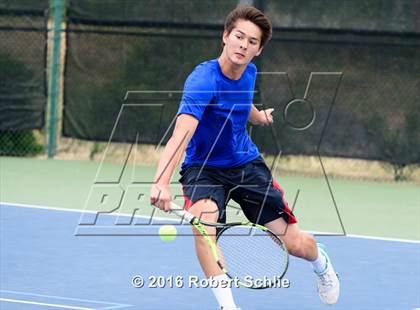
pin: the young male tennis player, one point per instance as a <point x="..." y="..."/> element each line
<point x="222" y="162"/>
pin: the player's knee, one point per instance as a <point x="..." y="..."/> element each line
<point x="310" y="239"/>
<point x="205" y="210"/>
<point x="295" y="246"/>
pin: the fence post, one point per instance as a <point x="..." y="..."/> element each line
<point x="57" y="9"/>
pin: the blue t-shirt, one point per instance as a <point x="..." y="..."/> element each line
<point x="222" y="107"/>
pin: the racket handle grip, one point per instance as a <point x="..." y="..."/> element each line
<point x="182" y="213"/>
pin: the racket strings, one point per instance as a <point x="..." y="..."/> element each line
<point x="251" y="254"/>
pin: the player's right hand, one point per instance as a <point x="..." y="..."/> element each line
<point x="160" y="197"/>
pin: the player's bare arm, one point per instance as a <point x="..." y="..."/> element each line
<point x="261" y="117"/>
<point x="160" y="195"/>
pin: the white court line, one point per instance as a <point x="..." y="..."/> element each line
<point x="44" y="304"/>
<point x="113" y="305"/>
<point x="384" y="239"/>
<point x="177" y="220"/>
<point x="84" y="211"/>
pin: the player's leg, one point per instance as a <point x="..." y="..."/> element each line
<point x="302" y="244"/>
<point x="263" y="202"/>
<point x="207" y="210"/>
<point x="298" y="242"/>
<point x="205" y="198"/>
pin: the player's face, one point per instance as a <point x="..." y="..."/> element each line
<point x="243" y="43"/>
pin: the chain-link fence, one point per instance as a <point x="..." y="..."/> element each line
<point x="359" y="86"/>
<point x="342" y="84"/>
<point x="23" y="95"/>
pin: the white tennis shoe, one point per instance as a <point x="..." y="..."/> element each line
<point x="328" y="285"/>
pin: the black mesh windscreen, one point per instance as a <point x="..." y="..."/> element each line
<point x="102" y="68"/>
<point x="30" y="7"/>
<point x="335" y="93"/>
<point x="161" y="12"/>
<point x="358" y="15"/>
<point x="23" y="40"/>
<point x="362" y="99"/>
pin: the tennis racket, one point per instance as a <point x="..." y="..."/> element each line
<point x="249" y="254"/>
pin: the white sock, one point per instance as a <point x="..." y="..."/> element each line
<point x="223" y="292"/>
<point x="320" y="264"/>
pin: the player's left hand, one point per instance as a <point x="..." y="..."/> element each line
<point x="266" y="117"/>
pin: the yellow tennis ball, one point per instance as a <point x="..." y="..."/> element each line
<point x="167" y="233"/>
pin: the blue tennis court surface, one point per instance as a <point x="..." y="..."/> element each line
<point x="45" y="266"/>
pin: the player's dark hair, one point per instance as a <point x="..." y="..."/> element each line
<point x="252" y="14"/>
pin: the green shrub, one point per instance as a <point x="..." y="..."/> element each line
<point x="19" y="143"/>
